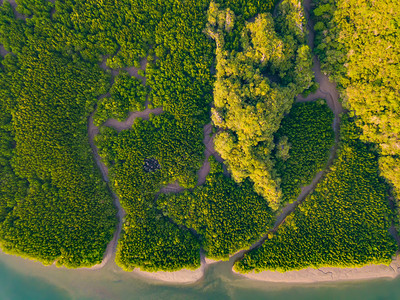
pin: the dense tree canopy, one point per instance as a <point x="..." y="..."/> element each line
<point x="179" y="80"/>
<point x="303" y="144"/>
<point x="228" y="217"/>
<point x="161" y="138"/>
<point x="178" y="75"/>
<point x="152" y="242"/>
<point x="146" y="231"/>
<point x="127" y="94"/>
<point x="54" y="205"/>
<point x="343" y="223"/>
<point x="359" y="45"/>
<point x="59" y="46"/>
<point x="243" y="10"/>
<point x="256" y="84"/>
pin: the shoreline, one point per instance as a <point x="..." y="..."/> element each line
<point x="327" y="274"/>
<point x="109" y="266"/>
<point x="183" y="276"/>
<point x="308" y="275"/>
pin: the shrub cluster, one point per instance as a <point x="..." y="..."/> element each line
<point x="152" y="242"/>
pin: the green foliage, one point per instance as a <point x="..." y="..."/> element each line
<point x="178" y="76"/>
<point x="41" y="8"/>
<point x="228" y="217"/>
<point x="176" y="148"/>
<point x="311" y="90"/>
<point x="243" y="10"/>
<point x="249" y="105"/>
<point x="146" y="231"/>
<point x="127" y="94"/>
<point x="359" y="46"/>
<point x="152" y="243"/>
<point x="283" y="149"/>
<point x="104" y="28"/>
<point x="11" y="30"/>
<point x="343" y="223"/>
<point x="290" y="19"/>
<point x="13" y="189"/>
<point x="54" y="206"/>
<point x="179" y="80"/>
<point x="304" y="142"/>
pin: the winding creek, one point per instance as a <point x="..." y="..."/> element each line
<point x="217" y="279"/>
<point x="327" y="90"/>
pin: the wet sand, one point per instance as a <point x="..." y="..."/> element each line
<point x="326" y="274"/>
<point x="181" y="276"/>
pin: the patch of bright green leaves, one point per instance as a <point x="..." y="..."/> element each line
<point x="127" y="94"/>
<point x="256" y="84"/>
<point x="359" y="47"/>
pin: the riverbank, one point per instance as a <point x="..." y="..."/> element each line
<point x="328" y="274"/>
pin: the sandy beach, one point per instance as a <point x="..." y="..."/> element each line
<point x="182" y="276"/>
<point x="326" y="274"/>
<point x="309" y="275"/>
<point x="209" y="261"/>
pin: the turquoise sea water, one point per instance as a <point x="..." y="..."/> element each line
<point x="23" y="279"/>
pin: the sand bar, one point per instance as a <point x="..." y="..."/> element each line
<point x="326" y="274"/>
<point x="182" y="276"/>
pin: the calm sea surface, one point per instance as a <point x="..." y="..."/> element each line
<point x="28" y="280"/>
